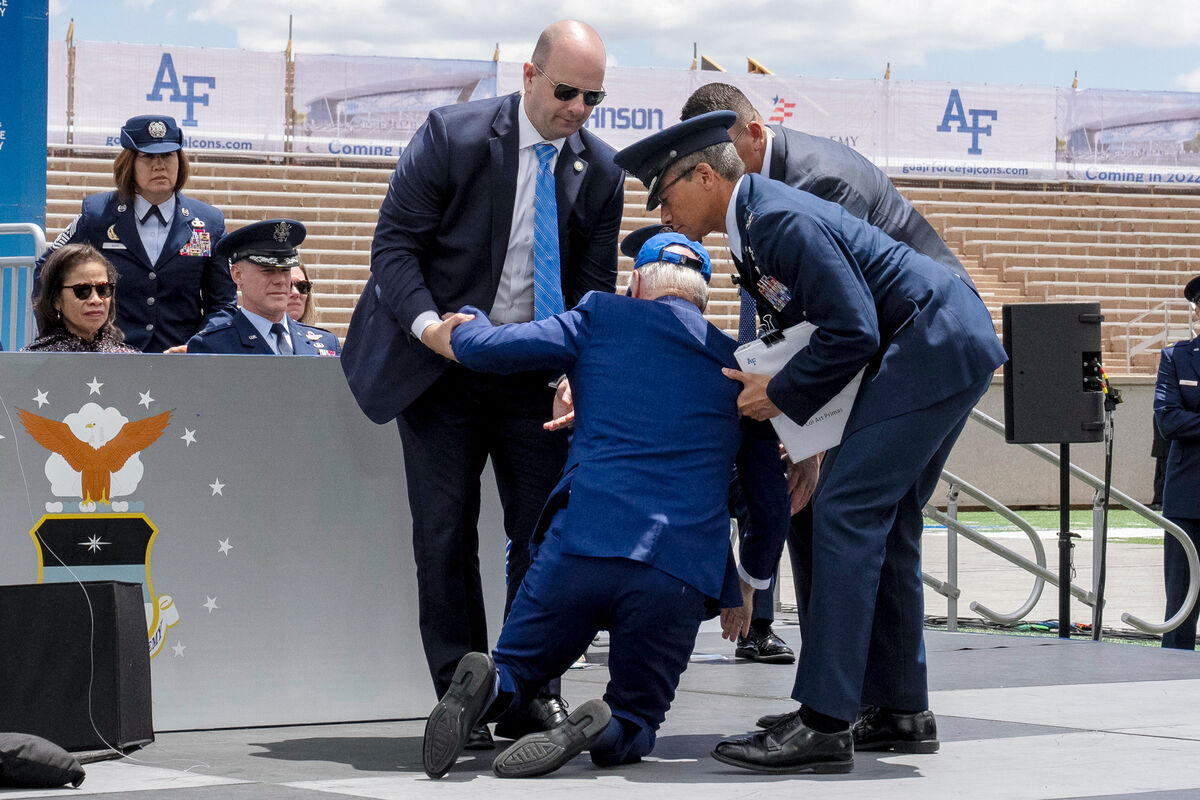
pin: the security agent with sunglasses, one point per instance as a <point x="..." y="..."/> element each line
<point x="159" y="239"/>
<point x="635" y="537"/>
<point x="261" y="256"/>
<point x="507" y="205"/>
<point x="929" y="348"/>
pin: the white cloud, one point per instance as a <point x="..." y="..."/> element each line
<point x="1189" y="81"/>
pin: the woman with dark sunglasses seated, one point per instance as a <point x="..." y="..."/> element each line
<point x="75" y="310"/>
<point x="302" y="302"/>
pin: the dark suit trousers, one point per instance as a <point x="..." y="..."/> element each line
<point x="863" y="640"/>
<point x="448" y="434"/>
<point x="652" y="619"/>
<point x="1175" y="572"/>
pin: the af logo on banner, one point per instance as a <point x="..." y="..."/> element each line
<point x="95" y="457"/>
<point x="955" y="113"/>
<point x="167" y="79"/>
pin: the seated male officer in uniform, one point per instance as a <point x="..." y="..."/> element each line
<point x="929" y="348"/>
<point x="635" y="537"/>
<point x="261" y="256"/>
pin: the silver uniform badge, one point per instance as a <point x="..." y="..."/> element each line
<point x="282" y="232"/>
<point x="312" y="335"/>
<point x="121" y="208"/>
<point x="157" y="129"/>
<point x="185" y="212"/>
<point x="197" y="223"/>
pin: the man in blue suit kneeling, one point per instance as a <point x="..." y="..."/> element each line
<point x="635" y="537"/>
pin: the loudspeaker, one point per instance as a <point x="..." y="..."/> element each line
<point x="75" y="669"/>
<point x="1052" y="386"/>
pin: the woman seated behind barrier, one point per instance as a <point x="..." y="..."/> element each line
<point x="302" y="303"/>
<point x="76" y="308"/>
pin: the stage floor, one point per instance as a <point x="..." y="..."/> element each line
<point x="1018" y="717"/>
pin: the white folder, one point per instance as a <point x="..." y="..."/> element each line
<point x="824" y="428"/>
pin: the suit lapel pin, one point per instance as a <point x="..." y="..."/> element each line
<point x="185" y="212"/>
<point x="112" y="233"/>
<point x="578" y="165"/>
<point x="253" y="336"/>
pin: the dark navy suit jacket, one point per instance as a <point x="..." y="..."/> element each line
<point x="842" y="175"/>
<point x="238" y="336"/>
<point x="656" y="434"/>
<point x="921" y="330"/>
<point x="443" y="234"/>
<point x="159" y="305"/>
<point x="1177" y="414"/>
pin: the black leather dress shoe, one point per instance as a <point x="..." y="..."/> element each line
<point x="542" y="714"/>
<point x="790" y="746"/>
<point x="771" y="720"/>
<point x="764" y="647"/>
<point x="480" y="738"/>
<point x="543" y="752"/>
<point x="457" y="714"/>
<point x="880" y="729"/>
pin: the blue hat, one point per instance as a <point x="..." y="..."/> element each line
<point x="650" y="158"/>
<point x="632" y="244"/>
<point x="655" y="249"/>
<point x="1191" y="292"/>
<point x="152" y="133"/>
<point x="270" y="243"/>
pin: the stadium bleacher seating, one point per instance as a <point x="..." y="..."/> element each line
<point x="1130" y="248"/>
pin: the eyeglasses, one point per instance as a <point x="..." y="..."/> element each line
<point x="566" y="92"/>
<point x="303" y="287"/>
<point x="84" y="290"/>
<point x="659" y="194"/>
<point x="745" y="128"/>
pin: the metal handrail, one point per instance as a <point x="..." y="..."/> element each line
<point x="31" y="229"/>
<point x="1039" y="569"/>
<point x="1166" y="306"/>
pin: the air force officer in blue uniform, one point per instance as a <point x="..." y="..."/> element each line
<point x="635" y="536"/>
<point x="159" y="239"/>
<point x="927" y="342"/>
<point x="261" y="256"/>
<point x="1177" y="415"/>
<point x="507" y="205"/>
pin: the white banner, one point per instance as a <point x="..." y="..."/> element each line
<point x="1129" y="137"/>
<point x="222" y="99"/>
<point x="368" y="105"/>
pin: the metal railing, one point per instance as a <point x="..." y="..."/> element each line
<point x="1160" y="339"/>
<point x="1037" y="567"/>
<point x="16" y="284"/>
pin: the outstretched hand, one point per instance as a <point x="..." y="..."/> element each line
<point x="753" y="401"/>
<point x="437" y="336"/>
<point x="564" y="408"/>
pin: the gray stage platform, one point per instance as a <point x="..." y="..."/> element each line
<point x="1019" y="718"/>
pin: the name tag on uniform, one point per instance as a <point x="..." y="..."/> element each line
<point x="1187" y="383"/>
<point x="112" y="246"/>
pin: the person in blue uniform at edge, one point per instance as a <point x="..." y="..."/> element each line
<point x="261" y="257"/>
<point x="839" y="174"/>
<point x="159" y="239"/>
<point x="635" y="537"/>
<point x="929" y="347"/>
<point x="1177" y="417"/>
<point x="509" y="205"/>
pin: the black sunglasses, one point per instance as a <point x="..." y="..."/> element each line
<point x="566" y="92"/>
<point x="84" y="290"/>
<point x="303" y="287"/>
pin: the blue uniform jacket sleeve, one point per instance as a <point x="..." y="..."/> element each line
<point x="408" y="219"/>
<point x="808" y="259"/>
<point x="552" y="343"/>
<point x="1174" y="419"/>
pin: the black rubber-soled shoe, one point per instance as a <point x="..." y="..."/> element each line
<point x="771" y="720"/>
<point x="457" y="713"/>
<point x="790" y="746"/>
<point x="543" y="752"/>
<point x="880" y="729"/>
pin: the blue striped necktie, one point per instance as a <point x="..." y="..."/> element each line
<point x="547" y="274"/>
<point x="747" y="319"/>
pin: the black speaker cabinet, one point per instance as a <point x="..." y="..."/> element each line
<point x="1052" y="389"/>
<point x="56" y="652"/>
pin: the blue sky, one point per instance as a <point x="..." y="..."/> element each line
<point x="1114" y="44"/>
